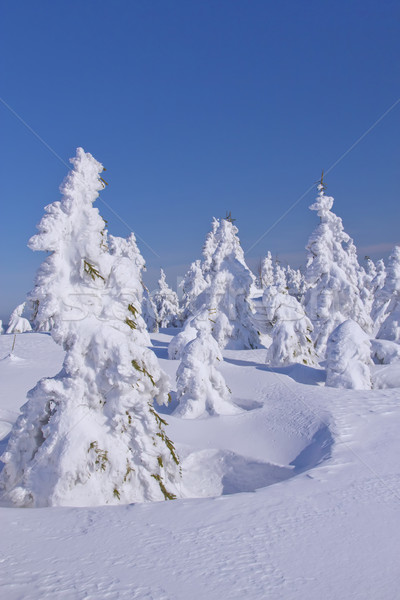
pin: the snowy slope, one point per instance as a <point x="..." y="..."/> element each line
<point x="323" y="523"/>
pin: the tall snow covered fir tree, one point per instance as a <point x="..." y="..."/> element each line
<point x="229" y="284"/>
<point x="201" y="388"/>
<point x="166" y="304"/>
<point x="90" y="435"/>
<point x="333" y="276"/>
<point x="228" y="295"/>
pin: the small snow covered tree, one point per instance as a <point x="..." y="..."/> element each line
<point x="166" y="303"/>
<point x="192" y="285"/>
<point x="201" y="388"/>
<point x="348" y="357"/>
<point x="333" y="276"/>
<point x="90" y="435"/>
<point x="267" y="271"/>
<point x="390" y="294"/>
<point x="1" y="327"/>
<point x="295" y="283"/>
<point x="290" y="329"/>
<point x="17" y="323"/>
<point x="149" y="311"/>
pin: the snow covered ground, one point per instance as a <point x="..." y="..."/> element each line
<point x="298" y="496"/>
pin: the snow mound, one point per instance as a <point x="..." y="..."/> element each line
<point x="209" y="473"/>
<point x="385" y="352"/>
<point x="216" y="472"/>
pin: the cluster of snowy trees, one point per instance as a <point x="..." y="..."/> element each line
<point x="91" y="435"/>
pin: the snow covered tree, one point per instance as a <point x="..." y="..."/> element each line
<point x="209" y="248"/>
<point x="1" y="327"/>
<point x="90" y="435"/>
<point x="201" y="388"/>
<point x="267" y="271"/>
<point x="192" y="285"/>
<point x="280" y="278"/>
<point x="17" y="323"/>
<point x="295" y="283"/>
<point x="390" y="295"/>
<point x="370" y="272"/>
<point x="290" y="329"/>
<point x="332" y="274"/>
<point x="228" y="294"/>
<point x="166" y="303"/>
<point x="149" y="311"/>
<point x="179" y="341"/>
<point x="381" y="298"/>
<point x="348" y="357"/>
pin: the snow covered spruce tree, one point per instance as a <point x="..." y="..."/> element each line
<point x="380" y="298"/>
<point x="290" y="329"/>
<point x="166" y="303"/>
<point x="267" y="271"/>
<point x="390" y="297"/>
<point x="295" y="283"/>
<point x="229" y="291"/>
<point x="227" y="295"/>
<point x="348" y="357"/>
<point x="209" y="248"/>
<point x="192" y="285"/>
<point x="90" y="435"/>
<point x="17" y="323"/>
<point x="201" y="388"/>
<point x="333" y="275"/>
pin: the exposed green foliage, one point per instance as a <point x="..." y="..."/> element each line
<point x="101" y="456"/>
<point x="131" y="323"/>
<point x="143" y="370"/>
<point x="164" y="490"/>
<point x="91" y="270"/>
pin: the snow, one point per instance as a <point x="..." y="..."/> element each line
<point x="322" y="523"/>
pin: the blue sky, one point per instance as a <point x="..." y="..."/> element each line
<point x="197" y="108"/>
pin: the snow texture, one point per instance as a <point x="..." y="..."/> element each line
<point x="296" y="497"/>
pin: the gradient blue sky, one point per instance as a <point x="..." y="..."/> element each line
<point x="195" y="108"/>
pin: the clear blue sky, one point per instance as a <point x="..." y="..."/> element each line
<point x="195" y="108"/>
